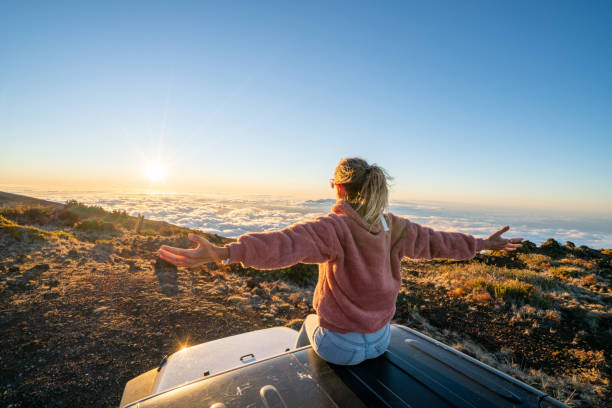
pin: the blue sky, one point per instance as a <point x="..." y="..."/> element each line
<point x="495" y="103"/>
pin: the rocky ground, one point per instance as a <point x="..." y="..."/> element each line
<point x="85" y="306"/>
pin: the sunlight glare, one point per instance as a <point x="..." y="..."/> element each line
<point x="155" y="172"/>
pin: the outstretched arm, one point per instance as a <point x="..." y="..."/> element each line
<point x="417" y="241"/>
<point x="310" y="242"/>
<point x="204" y="253"/>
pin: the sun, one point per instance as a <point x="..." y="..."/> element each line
<point x="155" y="172"/>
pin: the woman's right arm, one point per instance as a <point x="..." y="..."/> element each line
<point x="309" y="242"/>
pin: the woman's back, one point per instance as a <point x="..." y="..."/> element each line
<point x="359" y="264"/>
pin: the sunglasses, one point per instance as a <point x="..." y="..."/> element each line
<point x="333" y="184"/>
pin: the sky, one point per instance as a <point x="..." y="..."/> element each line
<point x="477" y="102"/>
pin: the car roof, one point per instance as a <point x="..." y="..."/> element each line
<point x="414" y="371"/>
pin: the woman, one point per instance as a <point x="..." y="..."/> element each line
<point x="359" y="250"/>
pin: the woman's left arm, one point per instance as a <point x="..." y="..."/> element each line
<point x="423" y="242"/>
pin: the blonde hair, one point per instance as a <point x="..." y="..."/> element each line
<point x="366" y="187"/>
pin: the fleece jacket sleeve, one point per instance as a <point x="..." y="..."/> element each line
<point x="416" y="241"/>
<point x="309" y="242"/>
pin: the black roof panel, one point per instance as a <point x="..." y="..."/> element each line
<point x="416" y="371"/>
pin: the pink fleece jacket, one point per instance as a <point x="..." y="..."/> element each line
<point x="359" y="264"/>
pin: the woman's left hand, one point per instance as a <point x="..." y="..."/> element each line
<point x="496" y="242"/>
<point x="204" y="253"/>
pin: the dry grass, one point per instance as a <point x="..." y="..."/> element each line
<point x="536" y="261"/>
<point x="28" y="232"/>
<point x="559" y="304"/>
<point x="562" y="388"/>
<point x="577" y="262"/>
<point x="457" y="292"/>
<point x="500" y="283"/>
<point x="481" y="297"/>
<point x="581" y="389"/>
<point x="564" y="272"/>
<point x="588" y="279"/>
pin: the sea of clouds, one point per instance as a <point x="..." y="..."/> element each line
<point x="232" y="216"/>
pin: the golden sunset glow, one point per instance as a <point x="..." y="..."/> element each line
<point x="155" y="172"/>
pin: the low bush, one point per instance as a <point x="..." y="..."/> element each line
<point x="589" y="278"/>
<point x="542" y="280"/>
<point x="95" y="225"/>
<point x="74" y="213"/>
<point x="63" y="234"/>
<point x="565" y="272"/>
<point x="513" y="290"/>
<point x="540" y="300"/>
<point x="535" y="261"/>
<point x="527" y="247"/>
<point x="21" y="232"/>
<point x="482" y="297"/>
<point x="33" y="215"/>
<point x="457" y="292"/>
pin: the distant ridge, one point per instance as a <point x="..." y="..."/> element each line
<point x="11" y="200"/>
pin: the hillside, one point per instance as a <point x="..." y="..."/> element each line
<point x="86" y="306"/>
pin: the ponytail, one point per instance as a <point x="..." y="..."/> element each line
<point x="366" y="187"/>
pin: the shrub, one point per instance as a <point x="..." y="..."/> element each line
<point x="83" y="210"/>
<point x="589" y="278"/>
<point x="508" y="290"/>
<point x="527" y="247"/>
<point x="63" y="234"/>
<point x="540" y="300"/>
<point x="95" y="225"/>
<point x="542" y="280"/>
<point x="74" y="212"/>
<point x="21" y="232"/>
<point x="565" y="272"/>
<point x="28" y="215"/>
<point x="482" y="297"/>
<point x="480" y="284"/>
<point x="66" y="217"/>
<point x="535" y="261"/>
<point x="169" y="231"/>
<point x="513" y="290"/>
<point x="457" y="292"/>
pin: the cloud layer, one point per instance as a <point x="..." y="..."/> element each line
<point x="234" y="216"/>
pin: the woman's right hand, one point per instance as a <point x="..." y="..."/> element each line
<point x="204" y="253"/>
